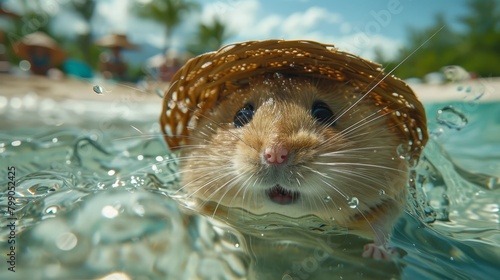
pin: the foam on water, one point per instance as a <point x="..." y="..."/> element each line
<point x="96" y="201"/>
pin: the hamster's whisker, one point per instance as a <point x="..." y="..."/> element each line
<point x="142" y="136"/>
<point x="346" y="152"/>
<point x="390" y="72"/>
<point x="221" y="126"/>
<point x="357" y="164"/>
<point x="241" y="173"/>
<point x="366" y="120"/>
<point x="333" y="187"/>
<point x="208" y="184"/>
<point x="227" y="186"/>
<point x="362" y="175"/>
<point x="317" y="172"/>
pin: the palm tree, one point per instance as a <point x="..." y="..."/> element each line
<point x="85" y="9"/>
<point x="210" y="37"/>
<point x="169" y="13"/>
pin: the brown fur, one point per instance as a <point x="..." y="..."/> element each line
<point x="225" y="165"/>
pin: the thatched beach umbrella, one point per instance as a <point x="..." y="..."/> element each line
<point x="31" y="44"/>
<point x="42" y="52"/>
<point x="116" y="40"/>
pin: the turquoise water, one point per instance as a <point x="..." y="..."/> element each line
<point x="92" y="201"/>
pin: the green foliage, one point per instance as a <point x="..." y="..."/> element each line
<point x="477" y="48"/>
<point x="85" y="8"/>
<point x="209" y="37"/>
<point x="168" y="13"/>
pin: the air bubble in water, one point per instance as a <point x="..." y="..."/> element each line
<point x="451" y="117"/>
<point x="381" y="192"/>
<point x="328" y="198"/>
<point x="354" y="202"/>
<point x="66" y="241"/>
<point x="98" y="89"/>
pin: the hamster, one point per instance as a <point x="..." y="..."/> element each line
<point x="278" y="139"/>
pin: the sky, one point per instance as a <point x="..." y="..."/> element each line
<point x="357" y="26"/>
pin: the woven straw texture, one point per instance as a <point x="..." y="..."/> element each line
<point x="205" y="80"/>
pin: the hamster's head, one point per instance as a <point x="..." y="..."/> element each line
<point x="297" y="147"/>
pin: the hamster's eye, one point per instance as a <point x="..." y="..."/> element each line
<point x="322" y="113"/>
<point x="243" y="116"/>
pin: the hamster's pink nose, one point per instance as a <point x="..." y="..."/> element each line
<point x="275" y="155"/>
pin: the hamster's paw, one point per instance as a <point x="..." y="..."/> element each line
<point x="378" y="252"/>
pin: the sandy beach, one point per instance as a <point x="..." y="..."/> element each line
<point x="68" y="88"/>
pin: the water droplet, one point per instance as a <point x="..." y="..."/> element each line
<point x="98" y="89"/>
<point x="403" y="151"/>
<point x="237" y="245"/>
<point x="109" y="212"/>
<point x="16" y="143"/>
<point x="24" y="65"/>
<point x="43" y="188"/>
<point x="354" y="202"/>
<point x="451" y="117"/>
<point x="381" y="192"/>
<point x="328" y="198"/>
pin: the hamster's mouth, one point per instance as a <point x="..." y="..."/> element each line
<point x="282" y="196"/>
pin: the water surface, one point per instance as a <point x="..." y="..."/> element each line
<point x="92" y="201"/>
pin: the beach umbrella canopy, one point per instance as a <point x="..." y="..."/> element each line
<point x="116" y="40"/>
<point x="28" y="43"/>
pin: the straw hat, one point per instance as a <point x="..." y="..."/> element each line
<point x="205" y="80"/>
<point x="24" y="47"/>
<point x="116" y="40"/>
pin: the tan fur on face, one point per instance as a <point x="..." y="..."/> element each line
<point x="355" y="158"/>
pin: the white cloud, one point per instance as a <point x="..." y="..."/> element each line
<point x="237" y="14"/>
<point x="364" y="45"/>
<point x="245" y="19"/>
<point x="304" y="22"/>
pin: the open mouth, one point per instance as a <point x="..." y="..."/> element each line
<point x="280" y="195"/>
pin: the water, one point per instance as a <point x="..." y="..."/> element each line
<point x="92" y="201"/>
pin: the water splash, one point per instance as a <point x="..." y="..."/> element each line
<point x="451" y="118"/>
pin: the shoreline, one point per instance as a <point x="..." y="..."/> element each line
<point x="68" y="88"/>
